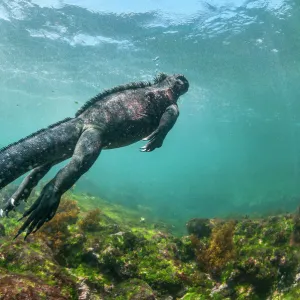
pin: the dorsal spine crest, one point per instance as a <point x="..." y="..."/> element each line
<point x="35" y="134"/>
<point x="130" y="86"/>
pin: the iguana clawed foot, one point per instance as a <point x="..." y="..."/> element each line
<point x="9" y="206"/>
<point x="43" y="210"/>
<point x="155" y="140"/>
<point x="14" y="201"/>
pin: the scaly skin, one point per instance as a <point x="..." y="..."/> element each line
<point x="118" y="119"/>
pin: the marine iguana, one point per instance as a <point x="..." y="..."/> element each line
<point x="114" y="118"/>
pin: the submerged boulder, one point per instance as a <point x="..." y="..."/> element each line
<point x="101" y="255"/>
<point x="13" y="286"/>
<point x="199" y="227"/>
<point x="133" y="289"/>
<point x="2" y="230"/>
<point x="31" y="264"/>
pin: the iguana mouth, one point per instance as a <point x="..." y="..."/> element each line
<point x="181" y="86"/>
<point x="179" y="90"/>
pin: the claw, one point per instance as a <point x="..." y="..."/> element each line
<point x="12" y="201"/>
<point x="27" y="223"/>
<point x="18" y="233"/>
<point x="26" y="235"/>
<point x="39" y="225"/>
<point x="31" y="228"/>
<point x="21" y="218"/>
<point x="1" y="212"/>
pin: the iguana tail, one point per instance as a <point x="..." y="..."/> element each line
<point x="54" y="142"/>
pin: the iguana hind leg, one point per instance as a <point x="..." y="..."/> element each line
<point x="25" y="188"/>
<point x="86" y="152"/>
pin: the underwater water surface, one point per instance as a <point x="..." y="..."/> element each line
<point x="235" y="147"/>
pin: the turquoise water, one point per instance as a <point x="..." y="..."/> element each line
<point x="235" y="147"/>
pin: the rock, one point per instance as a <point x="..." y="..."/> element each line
<point x="32" y="257"/>
<point x="134" y="289"/>
<point x="27" y="288"/>
<point x="84" y="292"/>
<point x="192" y="296"/>
<point x="2" y="230"/>
<point x="219" y="289"/>
<point x="199" y="227"/>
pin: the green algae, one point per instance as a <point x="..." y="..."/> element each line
<point x="193" y="296"/>
<point x="293" y="293"/>
<point x="134" y="289"/>
<point x="13" y="286"/>
<point x="259" y="258"/>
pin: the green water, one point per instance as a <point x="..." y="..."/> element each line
<point x="235" y="147"/>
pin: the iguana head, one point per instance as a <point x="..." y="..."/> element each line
<point x="180" y="84"/>
<point x="177" y="84"/>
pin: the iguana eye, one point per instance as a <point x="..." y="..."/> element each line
<point x="181" y="83"/>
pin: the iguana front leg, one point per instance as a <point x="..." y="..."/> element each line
<point x="43" y="210"/>
<point x="166" y="123"/>
<point x="26" y="187"/>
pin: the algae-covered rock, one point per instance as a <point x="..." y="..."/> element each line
<point x="199" y="227"/>
<point x="193" y="296"/>
<point x="105" y="252"/>
<point x="265" y="260"/>
<point x="24" y="287"/>
<point x="213" y="254"/>
<point x="2" y="230"/>
<point x="91" y="220"/>
<point x="295" y="238"/>
<point x="291" y="294"/>
<point x="133" y="289"/>
<point x="34" y="259"/>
